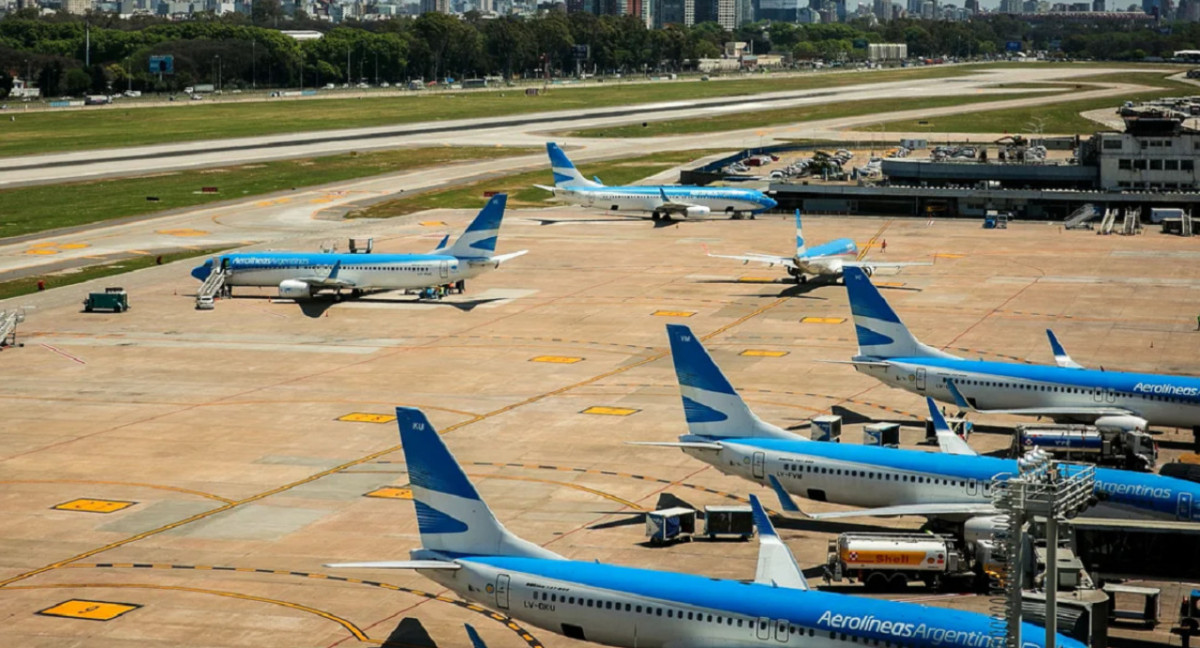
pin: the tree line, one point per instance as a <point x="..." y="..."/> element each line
<point x="66" y="54"/>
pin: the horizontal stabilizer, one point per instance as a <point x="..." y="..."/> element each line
<point x="776" y="565"/>
<point x="948" y="441"/>
<point x="501" y="258"/>
<point x="698" y="445"/>
<point x="397" y="564"/>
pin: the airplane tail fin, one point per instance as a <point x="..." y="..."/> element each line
<point x="801" y="248"/>
<point x="452" y="517"/>
<point x="565" y="173"/>
<point x="880" y="332"/>
<point x="479" y="239"/>
<point x="710" y="404"/>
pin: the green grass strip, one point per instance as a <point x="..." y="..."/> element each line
<point x="28" y="285"/>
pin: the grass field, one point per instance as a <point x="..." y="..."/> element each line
<point x="39" y="208"/>
<point x="1062" y="118"/>
<point x="28" y="285"/>
<point x="766" y="118"/>
<point x="520" y="189"/>
<point x="44" y="132"/>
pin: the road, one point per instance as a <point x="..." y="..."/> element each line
<point x="309" y="216"/>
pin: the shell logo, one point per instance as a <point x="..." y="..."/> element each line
<point x="853" y="555"/>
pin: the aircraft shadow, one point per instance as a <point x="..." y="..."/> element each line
<point x="827" y="526"/>
<point x="410" y="633"/>
<point x="467" y="305"/>
<point x="628" y="219"/>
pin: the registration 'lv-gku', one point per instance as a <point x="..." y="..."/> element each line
<point x="467" y="550"/>
<point x="301" y="275"/>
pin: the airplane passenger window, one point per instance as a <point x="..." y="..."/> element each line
<point x="739" y="623"/>
<point x="710" y="618"/>
<point x="571" y="600"/>
<point x="639" y="609"/>
<point x="608" y="605"/>
<point x="657" y="611"/>
<point x="627" y="607"/>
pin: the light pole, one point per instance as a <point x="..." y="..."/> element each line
<point x="254" y="65"/>
<point x="128" y="74"/>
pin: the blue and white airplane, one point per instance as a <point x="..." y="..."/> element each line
<point x="301" y="275"/>
<point x="662" y="201"/>
<point x="954" y="484"/>
<point x="467" y="550"/>
<point x="824" y="260"/>
<point x="1067" y="392"/>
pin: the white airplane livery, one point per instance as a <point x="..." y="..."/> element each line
<point x="954" y="484"/>
<point x="467" y="550"/>
<point x="1067" y="392"/>
<point x="823" y="260"/>
<point x="301" y="275"/>
<point x="661" y="201"/>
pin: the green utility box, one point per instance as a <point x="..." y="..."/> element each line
<point x="114" y="299"/>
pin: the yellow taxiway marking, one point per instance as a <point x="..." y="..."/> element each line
<point x="44" y="244"/>
<point x="823" y="320"/>
<point x="763" y="353"/>
<point x="367" y="417"/>
<point x="556" y="359"/>
<point x="74" y="246"/>
<point x="41" y="251"/>
<point x="94" y="505"/>
<point x="391" y="492"/>
<point x="186" y="231"/>
<point x="610" y="411"/>
<point x="90" y="610"/>
<point x="668" y="313"/>
<point x="888" y="284"/>
<point x="176" y="489"/>
<point x="432" y="224"/>
<point x="947" y="255"/>
<point x="756" y="280"/>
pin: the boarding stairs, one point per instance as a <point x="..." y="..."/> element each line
<point x="1133" y="222"/>
<point x="213" y="284"/>
<point x="1108" y="222"/>
<point x="1185" y="228"/>
<point x="8" y="326"/>
<point x="1080" y="217"/>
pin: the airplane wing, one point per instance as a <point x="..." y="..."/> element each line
<point x="1074" y="410"/>
<point x="397" y="564"/>
<point x="331" y="281"/>
<point x="948" y="441"/>
<point x="550" y="189"/>
<point x="675" y="206"/>
<point x="776" y="565"/>
<point x="883" y="264"/>
<point x="1060" y="354"/>
<point x="933" y="509"/>
<point x="769" y="259"/>
<point x="698" y="445"/>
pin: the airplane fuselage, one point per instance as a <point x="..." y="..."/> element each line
<point x="874" y="477"/>
<point x="636" y="608"/>
<point x="1172" y="401"/>
<point x="826" y="259"/>
<point x="362" y="271"/>
<point x="649" y="198"/>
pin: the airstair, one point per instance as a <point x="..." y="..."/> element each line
<point x="1133" y="222"/>
<point x="8" y="326"/>
<point x="1186" y="225"/>
<point x="1108" y="222"/>
<point x="1080" y="217"/>
<point x="212" y="286"/>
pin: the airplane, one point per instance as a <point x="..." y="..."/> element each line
<point x="824" y="260"/>
<point x="888" y="352"/>
<point x="662" y="201"/>
<point x="302" y="275"/>
<point x="466" y="549"/>
<point x="953" y="485"/>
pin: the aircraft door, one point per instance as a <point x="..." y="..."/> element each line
<point x="502" y="591"/>
<point x="764" y="628"/>
<point x="1110" y="396"/>
<point x="781" y="630"/>
<point x="921" y="379"/>
<point x="972" y="487"/>
<point x="1185" y="507"/>
<point x="1098" y="395"/>
<point x="445" y="269"/>
<point x="759" y="464"/>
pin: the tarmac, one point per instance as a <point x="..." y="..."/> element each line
<point x="178" y="477"/>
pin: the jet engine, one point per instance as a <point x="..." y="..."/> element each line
<point x="293" y="289"/>
<point x="868" y="270"/>
<point x="697" y="210"/>
<point x="1127" y="423"/>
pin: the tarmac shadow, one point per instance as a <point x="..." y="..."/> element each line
<point x="410" y="633"/>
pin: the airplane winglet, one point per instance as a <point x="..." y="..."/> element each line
<point x="948" y="441"/>
<point x="776" y="565"/>
<point x="1060" y="354"/>
<point x="959" y="399"/>
<point x="785" y="499"/>
<point x="333" y="272"/>
<point x="663" y="192"/>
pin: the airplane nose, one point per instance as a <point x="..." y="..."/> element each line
<point x="769" y="203"/>
<point x="201" y="272"/>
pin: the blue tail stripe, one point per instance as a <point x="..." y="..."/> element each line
<point x="431" y="520"/>
<point x="865" y="300"/>
<point x="700" y="413"/>
<point x="867" y="337"/>
<point x="557" y="157"/>
<point x="430" y="464"/>
<point x="1055" y="347"/>
<point x="693" y="366"/>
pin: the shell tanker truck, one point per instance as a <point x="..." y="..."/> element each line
<point x="889" y="561"/>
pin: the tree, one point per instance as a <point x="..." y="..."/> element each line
<point x="77" y="82"/>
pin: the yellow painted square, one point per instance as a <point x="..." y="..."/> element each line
<point x="610" y="411"/>
<point x="391" y="492"/>
<point x="367" y="417"/>
<point x="556" y="359"/>
<point x="90" y="610"/>
<point x="433" y="224"/>
<point x="73" y="246"/>
<point x="763" y="353"/>
<point x="668" y="313"/>
<point x="823" y="320"/>
<point x="94" y="505"/>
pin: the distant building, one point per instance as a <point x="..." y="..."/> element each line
<point x="668" y="12"/>
<point x="887" y="51"/>
<point x="781" y="11"/>
<point x="882" y="10"/>
<point x="440" y="6"/>
<point x="78" y="7"/>
<point x="1010" y="6"/>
